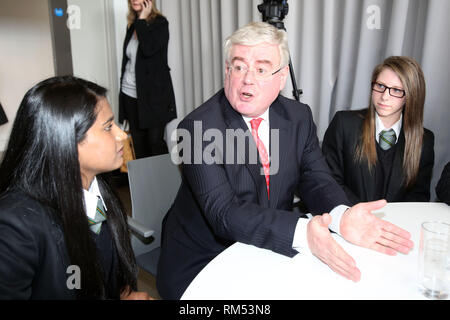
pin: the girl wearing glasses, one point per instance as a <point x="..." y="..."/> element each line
<point x="384" y="152"/>
<point x="146" y="97"/>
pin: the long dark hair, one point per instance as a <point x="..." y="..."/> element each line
<point x="42" y="161"/>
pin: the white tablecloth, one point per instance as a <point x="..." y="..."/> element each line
<point x="247" y="272"/>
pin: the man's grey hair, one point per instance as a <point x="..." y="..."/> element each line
<point x="256" y="33"/>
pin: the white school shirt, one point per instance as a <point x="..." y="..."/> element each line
<point x="379" y="126"/>
<point x="91" y="199"/>
<point x="300" y="241"/>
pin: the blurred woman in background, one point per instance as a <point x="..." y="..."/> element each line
<point x="146" y="98"/>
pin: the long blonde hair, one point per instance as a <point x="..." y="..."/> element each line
<point x="132" y="15"/>
<point x="412" y="78"/>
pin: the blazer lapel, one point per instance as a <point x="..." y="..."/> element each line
<point x="130" y="32"/>
<point x="235" y="121"/>
<point x="280" y="130"/>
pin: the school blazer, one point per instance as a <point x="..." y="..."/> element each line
<point x="339" y="148"/>
<point x="34" y="261"/>
<point x="33" y="256"/>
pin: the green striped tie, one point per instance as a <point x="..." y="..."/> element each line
<point x="100" y="216"/>
<point x="387" y="139"/>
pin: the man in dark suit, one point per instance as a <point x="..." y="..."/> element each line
<point x="226" y="196"/>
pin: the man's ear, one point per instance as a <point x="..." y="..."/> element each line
<point x="284" y="75"/>
<point x="227" y="68"/>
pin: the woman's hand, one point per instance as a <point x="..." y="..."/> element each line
<point x="146" y="9"/>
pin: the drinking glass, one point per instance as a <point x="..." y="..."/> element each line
<point x="434" y="259"/>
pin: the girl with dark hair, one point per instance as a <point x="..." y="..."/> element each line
<point x="63" y="233"/>
<point x="146" y="99"/>
<point x="384" y="152"/>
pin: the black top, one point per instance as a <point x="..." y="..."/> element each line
<point x="383" y="170"/>
<point x="108" y="258"/>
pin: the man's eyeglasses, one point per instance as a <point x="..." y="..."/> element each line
<point x="394" y="92"/>
<point x="260" y="73"/>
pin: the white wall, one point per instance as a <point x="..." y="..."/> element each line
<point x="26" y="55"/>
<point x="120" y="25"/>
<point x="94" y="47"/>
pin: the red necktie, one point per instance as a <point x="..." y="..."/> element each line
<point x="262" y="150"/>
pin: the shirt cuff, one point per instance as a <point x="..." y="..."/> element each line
<point x="300" y="242"/>
<point x="336" y="215"/>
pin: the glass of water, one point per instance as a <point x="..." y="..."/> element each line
<point x="434" y="260"/>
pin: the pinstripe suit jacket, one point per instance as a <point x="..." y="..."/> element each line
<point x="219" y="204"/>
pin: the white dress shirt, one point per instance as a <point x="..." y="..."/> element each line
<point x="379" y="126"/>
<point x="91" y="199"/>
<point x="300" y="241"/>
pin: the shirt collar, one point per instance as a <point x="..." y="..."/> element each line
<point x="380" y="127"/>
<point x="91" y="197"/>
<point x="264" y="116"/>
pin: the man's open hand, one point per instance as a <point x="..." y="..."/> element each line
<point x="359" y="226"/>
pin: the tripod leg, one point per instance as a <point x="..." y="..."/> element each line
<point x="296" y="92"/>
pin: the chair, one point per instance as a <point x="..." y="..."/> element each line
<point x="154" y="183"/>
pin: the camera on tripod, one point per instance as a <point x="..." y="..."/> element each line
<point x="274" y="11"/>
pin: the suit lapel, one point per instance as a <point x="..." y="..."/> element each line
<point x="235" y="121"/>
<point x="280" y="129"/>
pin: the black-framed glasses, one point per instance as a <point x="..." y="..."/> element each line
<point x="394" y="92"/>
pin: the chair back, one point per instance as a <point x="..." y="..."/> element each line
<point x="154" y="182"/>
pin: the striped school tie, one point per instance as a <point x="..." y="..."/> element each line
<point x="100" y="216"/>
<point x="387" y="139"/>
<point x="262" y="151"/>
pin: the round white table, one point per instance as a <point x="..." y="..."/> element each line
<point x="247" y="272"/>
